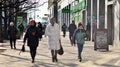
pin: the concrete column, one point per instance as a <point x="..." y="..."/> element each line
<point x="116" y="24"/>
<point x="106" y="1"/>
<point x="55" y="10"/>
<point x="91" y="19"/>
<point x="86" y="13"/>
<point x="98" y="13"/>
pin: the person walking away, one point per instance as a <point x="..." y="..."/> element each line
<point x="88" y="29"/>
<point x="64" y="29"/>
<point x="79" y="37"/>
<point x="12" y="32"/>
<point x="40" y="29"/>
<point x="32" y="37"/>
<point x="53" y="33"/>
<point x="21" y="28"/>
<point x="71" y="29"/>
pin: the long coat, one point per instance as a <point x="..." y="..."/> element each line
<point x="32" y="36"/>
<point x="53" y="33"/>
<point x="12" y="32"/>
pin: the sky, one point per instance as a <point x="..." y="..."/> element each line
<point x="40" y="11"/>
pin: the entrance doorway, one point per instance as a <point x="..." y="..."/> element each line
<point x="110" y="24"/>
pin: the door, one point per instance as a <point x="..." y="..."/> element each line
<point x="110" y="24"/>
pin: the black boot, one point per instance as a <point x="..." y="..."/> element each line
<point x="80" y="59"/>
<point x="56" y="56"/>
<point x="53" y="59"/>
<point x="56" y="60"/>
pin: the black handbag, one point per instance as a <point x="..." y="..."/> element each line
<point x="23" y="49"/>
<point x="60" y="51"/>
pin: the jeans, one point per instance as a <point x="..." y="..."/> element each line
<point x="80" y="48"/>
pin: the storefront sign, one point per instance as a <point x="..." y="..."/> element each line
<point x="78" y="7"/>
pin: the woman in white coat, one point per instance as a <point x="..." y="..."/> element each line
<point x="53" y="33"/>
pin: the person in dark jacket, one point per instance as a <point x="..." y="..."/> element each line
<point x="32" y="37"/>
<point x="12" y="32"/>
<point x="71" y="29"/>
<point x="21" y="28"/>
<point x="79" y="37"/>
<point x="88" y="29"/>
<point x="40" y="29"/>
<point x="64" y="27"/>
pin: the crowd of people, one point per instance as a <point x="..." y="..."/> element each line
<point x="34" y="33"/>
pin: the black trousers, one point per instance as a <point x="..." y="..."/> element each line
<point x="33" y="52"/>
<point x="11" y="43"/>
<point x="64" y="33"/>
<point x="71" y="37"/>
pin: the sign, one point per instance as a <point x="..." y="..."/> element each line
<point x="65" y="10"/>
<point x="101" y="41"/>
<point x="80" y="6"/>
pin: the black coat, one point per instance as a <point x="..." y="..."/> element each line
<point x="21" y="27"/>
<point x="72" y="28"/>
<point x="32" y="36"/>
<point x="12" y="32"/>
<point x="40" y="30"/>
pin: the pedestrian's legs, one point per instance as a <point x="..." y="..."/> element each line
<point x="33" y="53"/>
<point x="64" y="33"/>
<point x="14" y="43"/>
<point x="11" y="43"/>
<point x="70" y="37"/>
<point x="80" y="48"/>
<point x="54" y="55"/>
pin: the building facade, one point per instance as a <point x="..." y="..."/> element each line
<point x="104" y="14"/>
<point x="101" y="14"/>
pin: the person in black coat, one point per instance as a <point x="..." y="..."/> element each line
<point x="72" y="27"/>
<point x="64" y="27"/>
<point x="12" y="32"/>
<point x="32" y="37"/>
<point x="40" y="29"/>
<point x="21" y="28"/>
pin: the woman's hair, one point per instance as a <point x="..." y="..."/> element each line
<point x="80" y="24"/>
<point x="32" y="21"/>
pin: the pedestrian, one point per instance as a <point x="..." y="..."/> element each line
<point x="53" y="32"/>
<point x="79" y="37"/>
<point x="32" y="37"/>
<point x="21" y="28"/>
<point x="71" y="29"/>
<point x="12" y="33"/>
<point x="40" y="27"/>
<point x="64" y="27"/>
<point x="88" y="29"/>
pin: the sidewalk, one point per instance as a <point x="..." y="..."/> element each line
<point x="91" y="58"/>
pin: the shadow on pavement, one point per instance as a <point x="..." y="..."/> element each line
<point x="14" y="57"/>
